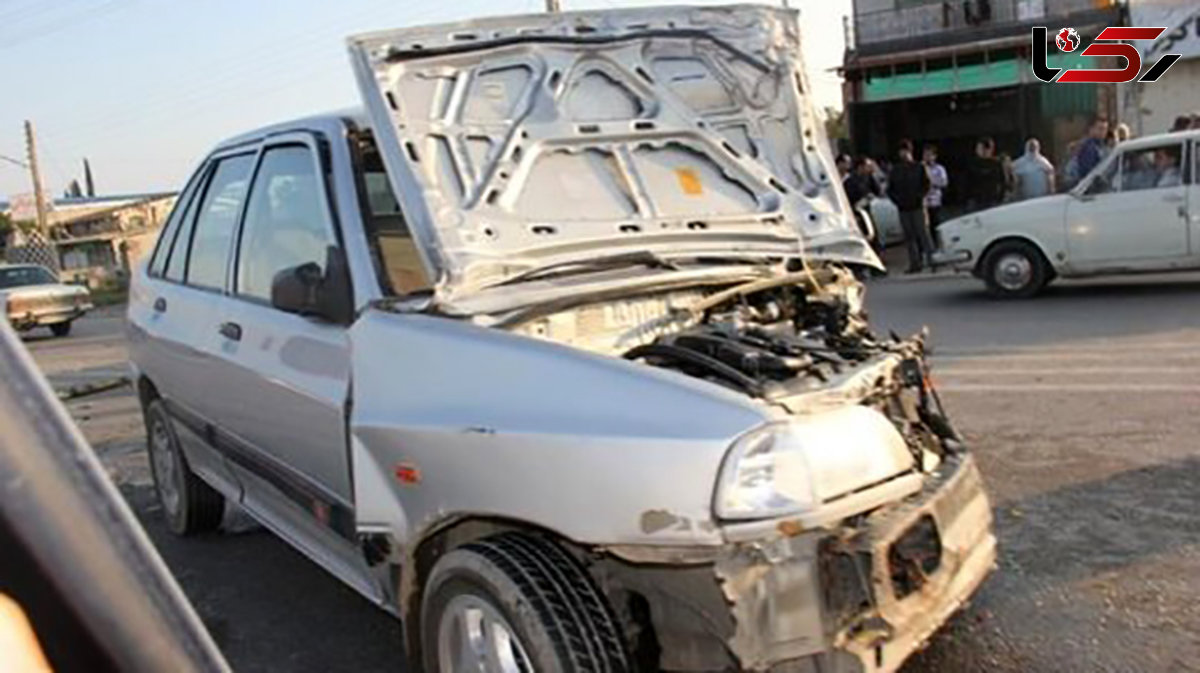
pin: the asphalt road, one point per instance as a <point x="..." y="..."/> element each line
<point x="1081" y="406"/>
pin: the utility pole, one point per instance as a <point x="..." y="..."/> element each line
<point x="38" y="194"/>
<point x="553" y="6"/>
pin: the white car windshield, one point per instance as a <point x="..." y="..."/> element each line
<point x="16" y="276"/>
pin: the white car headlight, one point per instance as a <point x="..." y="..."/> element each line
<point x="794" y="466"/>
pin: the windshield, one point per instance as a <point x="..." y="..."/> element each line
<point x="396" y="255"/>
<point x="16" y="276"/>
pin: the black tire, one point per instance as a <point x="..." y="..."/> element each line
<point x="61" y="329"/>
<point x="559" y="618"/>
<point x="1015" y="270"/>
<point x="197" y="508"/>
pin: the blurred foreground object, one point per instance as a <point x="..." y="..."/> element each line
<point x="75" y="559"/>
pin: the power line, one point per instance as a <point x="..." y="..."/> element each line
<point x="11" y="160"/>
<point x="216" y="77"/>
<point x="55" y="24"/>
<point x="208" y="90"/>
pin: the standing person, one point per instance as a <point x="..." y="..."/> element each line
<point x="1123" y="132"/>
<point x="985" y="176"/>
<point x="939" y="179"/>
<point x="1010" y="178"/>
<point x="843" y="166"/>
<point x="1093" y="147"/>
<point x="1034" y="172"/>
<point x="861" y="186"/>
<point x="861" y="183"/>
<point x="1182" y="123"/>
<point x="908" y="183"/>
<point x="1071" y="169"/>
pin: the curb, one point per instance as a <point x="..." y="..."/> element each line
<point x="86" y="389"/>
<point x="923" y="277"/>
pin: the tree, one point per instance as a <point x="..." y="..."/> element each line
<point x="73" y="190"/>
<point x="836" y="127"/>
<point x="87" y="179"/>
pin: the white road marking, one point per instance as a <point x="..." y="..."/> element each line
<point x="1068" y="388"/>
<point x="940" y="372"/>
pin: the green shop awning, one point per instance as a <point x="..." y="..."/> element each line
<point x="957" y="78"/>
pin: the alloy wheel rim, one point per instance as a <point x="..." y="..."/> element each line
<point x="473" y="637"/>
<point x="1014" y="271"/>
<point x="166" y="467"/>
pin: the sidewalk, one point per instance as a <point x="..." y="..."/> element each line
<point x="895" y="259"/>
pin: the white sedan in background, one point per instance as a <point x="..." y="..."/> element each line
<point x="1138" y="211"/>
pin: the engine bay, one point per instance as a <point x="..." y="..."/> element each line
<point x="800" y="341"/>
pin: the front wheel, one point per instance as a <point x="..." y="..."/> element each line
<point x="1015" y="270"/>
<point x="516" y="603"/>
<point x="61" y="329"/>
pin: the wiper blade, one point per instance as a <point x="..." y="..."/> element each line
<point x="647" y="259"/>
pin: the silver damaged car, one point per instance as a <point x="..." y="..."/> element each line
<point x="555" y="351"/>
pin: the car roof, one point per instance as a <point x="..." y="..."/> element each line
<point x="330" y="122"/>
<point x="1159" y="138"/>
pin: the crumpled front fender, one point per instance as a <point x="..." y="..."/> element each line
<point x="451" y="420"/>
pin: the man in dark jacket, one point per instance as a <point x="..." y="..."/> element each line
<point x="860" y="183"/>
<point x="908" y="183"/>
<point x="985" y="176"/>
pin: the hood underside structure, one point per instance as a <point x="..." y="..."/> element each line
<point x="518" y="142"/>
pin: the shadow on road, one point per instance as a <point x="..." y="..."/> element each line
<point x="267" y="606"/>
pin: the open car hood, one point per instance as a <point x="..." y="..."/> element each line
<point x="518" y="142"/>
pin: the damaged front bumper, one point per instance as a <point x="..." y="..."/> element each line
<point x="859" y="598"/>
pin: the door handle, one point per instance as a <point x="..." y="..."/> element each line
<point x="231" y="331"/>
<point x="160" y="305"/>
<point x="1173" y="198"/>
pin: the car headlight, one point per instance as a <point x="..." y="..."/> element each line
<point x="794" y="466"/>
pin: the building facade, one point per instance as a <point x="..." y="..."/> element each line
<point x="1153" y="108"/>
<point x="97" y="241"/>
<point x="948" y="72"/>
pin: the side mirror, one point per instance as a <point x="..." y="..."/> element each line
<point x="304" y="290"/>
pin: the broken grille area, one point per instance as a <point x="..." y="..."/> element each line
<point x="845" y="583"/>
<point x="914" y="557"/>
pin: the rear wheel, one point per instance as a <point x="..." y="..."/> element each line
<point x="516" y="603"/>
<point x="189" y="505"/>
<point x="61" y="329"/>
<point x="1015" y="270"/>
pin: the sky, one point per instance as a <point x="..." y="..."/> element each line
<point x="144" y="88"/>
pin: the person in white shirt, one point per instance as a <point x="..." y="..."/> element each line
<point x="1034" y="172"/>
<point x="939" y="179"/>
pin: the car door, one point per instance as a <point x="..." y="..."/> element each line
<point x="1132" y="214"/>
<point x="179" y="297"/>
<point x="1193" y="203"/>
<point x="285" y="377"/>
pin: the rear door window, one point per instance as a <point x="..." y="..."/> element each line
<point x="162" y="251"/>
<point x="216" y="221"/>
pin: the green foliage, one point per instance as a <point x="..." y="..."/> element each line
<point x="836" y="127"/>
